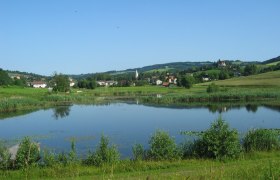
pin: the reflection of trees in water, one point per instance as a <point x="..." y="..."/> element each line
<point x="222" y="108"/>
<point x="252" y="107"/>
<point x="217" y="108"/>
<point x="275" y="108"/>
<point x="61" y="112"/>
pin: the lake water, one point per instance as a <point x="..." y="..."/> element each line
<point x="126" y="123"/>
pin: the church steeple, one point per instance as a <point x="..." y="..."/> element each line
<point x="136" y="74"/>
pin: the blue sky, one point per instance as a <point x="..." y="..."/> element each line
<point x="84" y="36"/>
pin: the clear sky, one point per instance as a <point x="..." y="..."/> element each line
<point x="85" y="36"/>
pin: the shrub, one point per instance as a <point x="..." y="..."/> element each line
<point x="5" y="157"/>
<point x="138" y="152"/>
<point x="162" y="147"/>
<point x="212" y="88"/>
<point x="261" y="140"/>
<point x="218" y="142"/>
<point x="28" y="153"/>
<point x="104" y="154"/>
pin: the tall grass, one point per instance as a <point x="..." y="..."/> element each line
<point x="261" y="140"/>
<point x="12" y="104"/>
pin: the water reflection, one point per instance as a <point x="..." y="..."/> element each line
<point x="5" y="115"/>
<point x="253" y="108"/>
<point x="61" y="112"/>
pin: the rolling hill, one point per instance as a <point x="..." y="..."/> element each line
<point x="265" y="79"/>
<point x="272" y="61"/>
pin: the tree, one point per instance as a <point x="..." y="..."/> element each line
<point x="91" y="84"/>
<point x="250" y="69"/>
<point x="4" y="78"/>
<point x="223" y="75"/>
<point x="20" y="82"/>
<point x="61" y="83"/>
<point x="187" y="81"/>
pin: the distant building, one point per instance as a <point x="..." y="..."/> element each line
<point x="14" y="76"/>
<point x="165" y="84"/>
<point x="72" y="83"/>
<point x="112" y="83"/>
<point x="38" y="84"/>
<point x="205" y="78"/>
<point x="221" y="63"/>
<point x="101" y="83"/>
<point x="171" y="79"/>
<point x="158" y="82"/>
<point x="107" y="83"/>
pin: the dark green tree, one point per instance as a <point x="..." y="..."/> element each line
<point x="92" y="84"/>
<point x="250" y="69"/>
<point x="223" y="75"/>
<point x="61" y="83"/>
<point x="4" y="78"/>
<point x="187" y="81"/>
<point x="20" y="82"/>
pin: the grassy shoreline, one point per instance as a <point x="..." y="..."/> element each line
<point x="258" y="165"/>
<point x="15" y="98"/>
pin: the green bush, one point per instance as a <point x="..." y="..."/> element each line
<point x="104" y="154"/>
<point x="138" y="152"/>
<point x="218" y="142"/>
<point x="5" y="158"/>
<point x="212" y="88"/>
<point x="28" y="153"/>
<point x="162" y="147"/>
<point x="261" y="140"/>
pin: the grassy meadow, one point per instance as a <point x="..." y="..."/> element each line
<point x="269" y="79"/>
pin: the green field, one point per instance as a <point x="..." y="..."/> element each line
<point x="261" y="165"/>
<point x="266" y="79"/>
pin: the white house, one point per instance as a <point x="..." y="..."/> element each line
<point x="38" y="84"/>
<point x="102" y="83"/>
<point x="107" y="83"/>
<point x="72" y="83"/>
<point x="205" y="78"/>
<point x="111" y="83"/>
<point x="221" y="63"/>
<point x="158" y="82"/>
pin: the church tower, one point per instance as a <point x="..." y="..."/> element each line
<point x="136" y="74"/>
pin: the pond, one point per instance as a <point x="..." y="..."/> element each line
<point x="126" y="123"/>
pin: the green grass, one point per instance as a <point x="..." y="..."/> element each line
<point x="264" y="79"/>
<point x="260" y="165"/>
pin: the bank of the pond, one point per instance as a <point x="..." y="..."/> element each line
<point x="14" y="98"/>
<point x="259" y="165"/>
